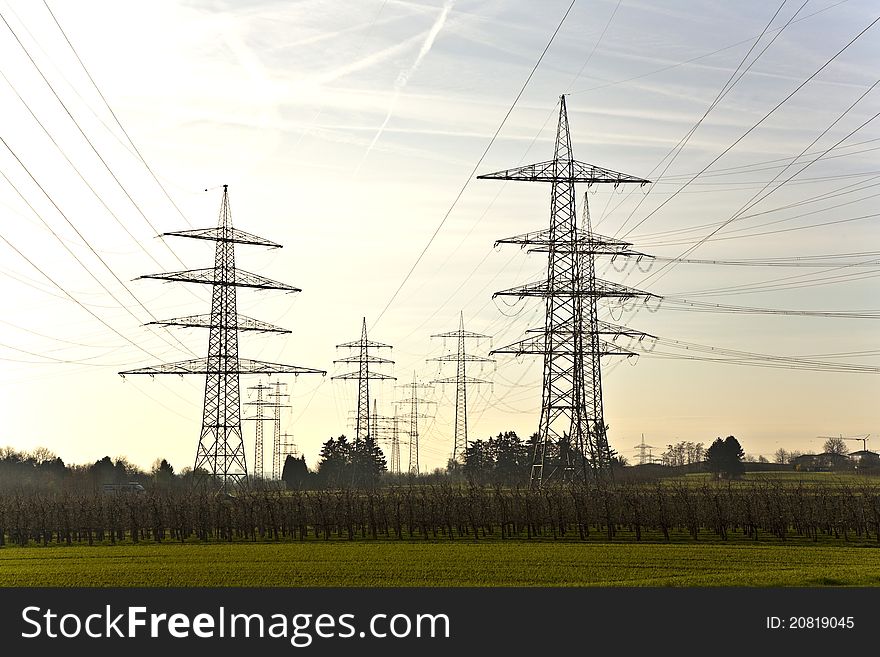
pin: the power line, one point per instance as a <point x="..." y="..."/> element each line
<point x="86" y="137"/>
<point x="82" y="237"/>
<point x="756" y="125"/>
<point x="116" y="118"/>
<point x="476" y="166"/>
<point x="728" y="85"/>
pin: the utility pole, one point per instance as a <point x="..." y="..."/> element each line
<point x="220" y="453"/>
<point x="572" y="423"/>
<point x="413" y="416"/>
<point x="461" y="381"/>
<point x="363" y="358"/>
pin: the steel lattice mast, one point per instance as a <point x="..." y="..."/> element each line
<point x="395" y="445"/>
<point x="286" y="447"/>
<point x="363" y="375"/>
<point x="385" y="428"/>
<point x="571" y="339"/>
<point x="220" y="452"/>
<point x="260" y="403"/>
<point x="644" y="451"/>
<point x="276" y="405"/>
<point x="413" y="416"/>
<point x="461" y="381"/>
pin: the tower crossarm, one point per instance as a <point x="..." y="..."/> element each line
<point x="454" y="379"/>
<point x="239" y="278"/>
<point x="591" y="248"/>
<point x="543" y="238"/>
<point x="537" y="345"/>
<point x="468" y="358"/>
<point x="600" y="290"/>
<point x="358" y="375"/>
<point x="567" y="171"/>
<point x="227" y="234"/>
<point x="242" y="323"/>
<point x="460" y="334"/>
<point x="223" y="366"/>
<point x="368" y="358"/>
<point x="357" y="344"/>
<point x="603" y="328"/>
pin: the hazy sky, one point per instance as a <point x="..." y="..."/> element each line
<point x="345" y="130"/>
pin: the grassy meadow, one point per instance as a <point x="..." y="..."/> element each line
<point x="459" y="563"/>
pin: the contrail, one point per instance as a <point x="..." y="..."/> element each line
<point x="404" y="76"/>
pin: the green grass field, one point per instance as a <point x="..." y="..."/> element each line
<point x="488" y="563"/>
<point x="783" y="477"/>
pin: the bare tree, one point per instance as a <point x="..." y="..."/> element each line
<point x="835" y="446"/>
<point x="781" y="456"/>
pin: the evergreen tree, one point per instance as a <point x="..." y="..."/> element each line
<point x="345" y="464"/>
<point x="295" y="472"/>
<point x="725" y="458"/>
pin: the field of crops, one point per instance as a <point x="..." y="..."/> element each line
<point x="396" y="564"/>
<point x="661" y="511"/>
<point x="785" y="477"/>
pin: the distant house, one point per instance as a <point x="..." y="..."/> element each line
<point x="865" y="458"/>
<point x="825" y="462"/>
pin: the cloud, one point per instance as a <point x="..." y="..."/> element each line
<point x="404" y="76"/>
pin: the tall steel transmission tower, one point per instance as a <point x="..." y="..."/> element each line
<point x="276" y="406"/>
<point x="363" y="358"/>
<point x="220" y="453"/>
<point x="413" y="416"/>
<point x="461" y="381"/>
<point x="386" y="428"/>
<point x="260" y="403"/>
<point x="645" y="452"/>
<point x="286" y="447"/>
<point x="394" y="467"/>
<point x="572" y="421"/>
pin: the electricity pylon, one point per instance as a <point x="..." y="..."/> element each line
<point x="220" y="452"/>
<point x="413" y="416"/>
<point x="260" y="403"/>
<point x="461" y="381"/>
<point x="363" y="375"/>
<point x="395" y="445"/>
<point x="570" y="342"/>
<point x="276" y="405"/>
<point x="644" y="452"/>
<point x="286" y="447"/>
<point x="385" y="428"/>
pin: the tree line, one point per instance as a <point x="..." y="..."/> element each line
<point x="504" y="459"/>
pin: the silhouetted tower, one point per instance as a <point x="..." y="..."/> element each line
<point x="644" y="452"/>
<point x="287" y="447"/>
<point x="384" y="428"/>
<point x="220" y="452"/>
<point x="569" y="341"/>
<point x="413" y="416"/>
<point x="277" y="404"/>
<point x="364" y="359"/>
<point x="461" y="381"/>
<point x="260" y="403"/>
<point x="395" y="445"/>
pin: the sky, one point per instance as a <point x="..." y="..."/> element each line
<point x="347" y="131"/>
